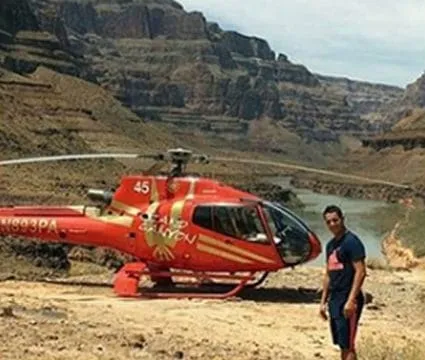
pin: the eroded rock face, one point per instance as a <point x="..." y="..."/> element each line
<point x="363" y="97"/>
<point x="147" y="19"/>
<point x="16" y="15"/>
<point x="29" y="41"/>
<point x="170" y="65"/>
<point x="403" y="120"/>
<point x="390" y="113"/>
<point x="415" y="92"/>
<point x="23" y="59"/>
<point x="246" y="46"/>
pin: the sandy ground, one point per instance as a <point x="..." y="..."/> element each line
<point x="277" y="321"/>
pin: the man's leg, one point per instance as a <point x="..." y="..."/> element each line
<point x="353" y="323"/>
<point x="344" y="330"/>
<point x="342" y="337"/>
<point x="337" y="332"/>
<point x="348" y="355"/>
<point x="348" y="330"/>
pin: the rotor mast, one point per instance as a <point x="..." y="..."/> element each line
<point x="179" y="158"/>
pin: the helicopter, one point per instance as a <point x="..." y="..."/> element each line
<point x="176" y="226"/>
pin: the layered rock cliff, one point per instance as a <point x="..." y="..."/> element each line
<point x="16" y="15"/>
<point x="404" y="119"/>
<point x="25" y="44"/>
<point x="413" y="97"/>
<point x="364" y="98"/>
<point x="173" y="66"/>
<point x="404" y="106"/>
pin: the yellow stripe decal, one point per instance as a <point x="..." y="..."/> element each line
<point x="235" y="249"/>
<point x="222" y="254"/>
<point x="154" y="190"/>
<point x="191" y="193"/>
<point x="175" y="213"/>
<point x="121" y="220"/>
<point x="124" y="207"/>
<point x="94" y="214"/>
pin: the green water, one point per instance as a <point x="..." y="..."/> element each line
<point x="356" y="214"/>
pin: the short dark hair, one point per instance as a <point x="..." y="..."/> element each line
<point x="333" y="209"/>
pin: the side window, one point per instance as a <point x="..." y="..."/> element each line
<point x="240" y="222"/>
<point x="203" y="217"/>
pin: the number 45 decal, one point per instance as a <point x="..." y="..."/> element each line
<point x="142" y="187"/>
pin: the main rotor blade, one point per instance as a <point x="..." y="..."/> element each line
<point x="310" y="169"/>
<point x="72" y="157"/>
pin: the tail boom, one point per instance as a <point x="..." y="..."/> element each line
<point x="72" y="225"/>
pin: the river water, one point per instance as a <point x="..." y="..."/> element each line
<point x="355" y="211"/>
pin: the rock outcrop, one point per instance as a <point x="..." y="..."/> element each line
<point x="413" y="97"/>
<point x="364" y="98"/>
<point x="409" y="133"/>
<point x="16" y="15"/>
<point x="31" y="49"/>
<point x="25" y="44"/>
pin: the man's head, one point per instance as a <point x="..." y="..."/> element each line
<point x="334" y="219"/>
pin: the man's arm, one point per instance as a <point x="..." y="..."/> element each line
<point x="359" y="276"/>
<point x="356" y="253"/>
<point x="325" y="293"/>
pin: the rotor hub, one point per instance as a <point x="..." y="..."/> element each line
<point x="179" y="156"/>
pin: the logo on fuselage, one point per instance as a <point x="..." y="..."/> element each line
<point x="163" y="233"/>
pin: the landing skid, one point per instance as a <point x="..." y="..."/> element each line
<point x="126" y="283"/>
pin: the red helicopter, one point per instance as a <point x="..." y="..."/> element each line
<point x="176" y="226"/>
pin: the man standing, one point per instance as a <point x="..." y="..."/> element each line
<point x="342" y="283"/>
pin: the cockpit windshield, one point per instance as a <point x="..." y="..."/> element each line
<point x="290" y="234"/>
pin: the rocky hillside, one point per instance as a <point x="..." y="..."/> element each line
<point x="16" y="15"/>
<point x="52" y="113"/>
<point x="415" y="120"/>
<point x="396" y="154"/>
<point x="404" y="120"/>
<point x="412" y="98"/>
<point x="175" y="67"/>
<point x="364" y="98"/>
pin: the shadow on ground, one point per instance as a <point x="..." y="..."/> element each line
<point x="298" y="295"/>
<point x="283" y="295"/>
<point x="294" y="295"/>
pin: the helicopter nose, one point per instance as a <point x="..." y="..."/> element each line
<point x="316" y="246"/>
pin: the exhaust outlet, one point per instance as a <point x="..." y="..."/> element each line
<point x="100" y="195"/>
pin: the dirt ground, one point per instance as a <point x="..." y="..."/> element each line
<point x="277" y="321"/>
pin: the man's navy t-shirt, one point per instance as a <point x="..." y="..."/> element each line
<point x="340" y="255"/>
